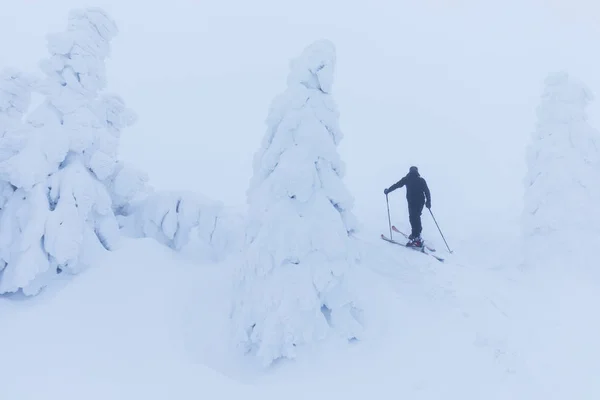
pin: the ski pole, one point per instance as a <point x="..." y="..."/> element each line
<point x="440" y="230"/>
<point x="389" y="218"/>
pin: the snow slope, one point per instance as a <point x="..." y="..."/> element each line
<point x="116" y="331"/>
<point x="150" y="323"/>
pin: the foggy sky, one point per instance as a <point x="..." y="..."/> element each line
<point x="450" y="86"/>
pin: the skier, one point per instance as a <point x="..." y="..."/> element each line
<point x="417" y="196"/>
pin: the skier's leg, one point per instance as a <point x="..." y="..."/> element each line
<point x="414" y="218"/>
<point x="414" y="215"/>
<point x="417" y="213"/>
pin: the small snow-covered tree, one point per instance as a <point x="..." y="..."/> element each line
<point x="562" y="189"/>
<point x="170" y="217"/>
<point x="294" y="284"/>
<point x="61" y="216"/>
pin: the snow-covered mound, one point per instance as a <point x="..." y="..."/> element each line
<point x="117" y="331"/>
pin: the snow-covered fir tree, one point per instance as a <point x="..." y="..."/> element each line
<point x="60" y="218"/>
<point x="294" y="284"/>
<point x="561" y="186"/>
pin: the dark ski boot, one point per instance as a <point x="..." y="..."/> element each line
<point x="415" y="242"/>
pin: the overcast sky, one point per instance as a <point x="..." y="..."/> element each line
<point x="450" y="86"/>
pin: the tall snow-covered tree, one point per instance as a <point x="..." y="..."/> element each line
<point x="562" y="185"/>
<point x="61" y="217"/>
<point x="294" y="285"/>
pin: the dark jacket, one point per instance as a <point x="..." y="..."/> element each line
<point x="417" y="192"/>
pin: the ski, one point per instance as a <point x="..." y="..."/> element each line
<point x="421" y="250"/>
<point x="406" y="236"/>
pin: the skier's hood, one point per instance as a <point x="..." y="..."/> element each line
<point x="413" y="171"/>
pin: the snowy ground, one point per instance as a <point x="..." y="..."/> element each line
<point x="149" y="323"/>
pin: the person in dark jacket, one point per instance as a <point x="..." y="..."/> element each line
<point x="417" y="196"/>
